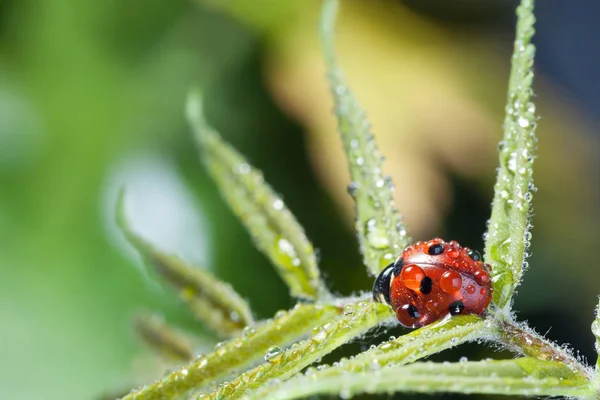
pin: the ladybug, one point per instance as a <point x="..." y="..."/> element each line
<point x="434" y="279"/>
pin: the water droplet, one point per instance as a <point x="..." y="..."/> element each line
<point x="352" y="188"/>
<point x="376" y="236"/>
<point x="243" y="168"/>
<point x="287" y="253"/>
<point x="523" y="122"/>
<point x="360" y="160"/>
<point x="278" y="204"/>
<point x="318" y="334"/>
<point x="274" y="355"/>
<point x="463" y="359"/>
<point x="247" y="331"/>
<point x="349" y="310"/>
<point x="235" y="316"/>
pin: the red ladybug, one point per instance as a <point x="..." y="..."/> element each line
<point x="433" y="279"/>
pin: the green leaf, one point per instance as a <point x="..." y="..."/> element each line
<point x="524" y="376"/>
<point x="238" y="353"/>
<point x="357" y="319"/>
<point x="381" y="233"/>
<point x="596" y="332"/>
<point x="272" y="226"/>
<point x="418" y="344"/>
<point x="162" y="338"/>
<point x="408" y="348"/>
<point x="214" y="302"/>
<point x="509" y="228"/>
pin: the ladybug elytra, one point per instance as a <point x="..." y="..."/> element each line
<point x="434" y="279"/>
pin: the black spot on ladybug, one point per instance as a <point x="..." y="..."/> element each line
<point x="381" y="287"/>
<point x="412" y="311"/>
<point x="475" y="255"/>
<point x="436" y="249"/>
<point x="456" y="307"/>
<point x="426" y="285"/>
<point x="398" y="265"/>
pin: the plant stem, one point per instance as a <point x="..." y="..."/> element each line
<point x="522" y="339"/>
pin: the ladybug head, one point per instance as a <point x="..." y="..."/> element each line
<point x="381" y="287"/>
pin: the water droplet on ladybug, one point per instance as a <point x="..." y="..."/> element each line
<point x="411" y="310"/>
<point x="450" y="282"/>
<point x="453" y="252"/>
<point x="411" y="276"/>
<point x="471" y="289"/>
<point x="432" y="305"/>
<point x="481" y="277"/>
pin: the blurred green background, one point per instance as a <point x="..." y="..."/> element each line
<point x="91" y="99"/>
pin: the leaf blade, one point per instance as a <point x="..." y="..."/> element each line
<point x="212" y="301"/>
<point x="508" y="231"/>
<point x="485" y="377"/>
<point x="237" y="353"/>
<point x="379" y="227"/>
<point x="163" y="339"/>
<point x="274" y="229"/>
<point x="358" y="318"/>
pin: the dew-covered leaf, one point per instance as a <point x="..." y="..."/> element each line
<point x="357" y="319"/>
<point x="508" y="236"/>
<point x="596" y="332"/>
<point x="212" y="301"/>
<point x="523" y="376"/>
<point x="238" y="353"/>
<point x="162" y="338"/>
<point x="272" y="226"/>
<point x="381" y="233"/>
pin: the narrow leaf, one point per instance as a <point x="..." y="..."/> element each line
<point x="381" y="233"/>
<point x="214" y="302"/>
<point x="408" y="348"/>
<point x="357" y="319"/>
<point x="238" y="353"/>
<point x="596" y="332"/>
<point x="272" y="226"/>
<point x="165" y="340"/>
<point x="417" y="344"/>
<point x="509" y="228"/>
<point x="525" y="376"/>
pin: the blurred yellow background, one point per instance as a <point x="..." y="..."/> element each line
<point x="91" y="99"/>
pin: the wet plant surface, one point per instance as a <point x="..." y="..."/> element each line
<point x="280" y="358"/>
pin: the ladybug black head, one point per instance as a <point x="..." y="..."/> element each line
<point x="381" y="287"/>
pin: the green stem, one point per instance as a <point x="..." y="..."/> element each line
<point x="522" y="339"/>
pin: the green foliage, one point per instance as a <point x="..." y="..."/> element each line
<point x="316" y="329"/>
<point x="166" y="341"/>
<point x="509" y="233"/>
<point x="381" y="233"/>
<point x="272" y="226"/>
<point x="522" y="376"/>
<point x="214" y="302"/>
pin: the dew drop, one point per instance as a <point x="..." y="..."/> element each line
<point x="318" y="334"/>
<point x="523" y="122"/>
<point x="278" y="204"/>
<point x="274" y="355"/>
<point x="376" y="236"/>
